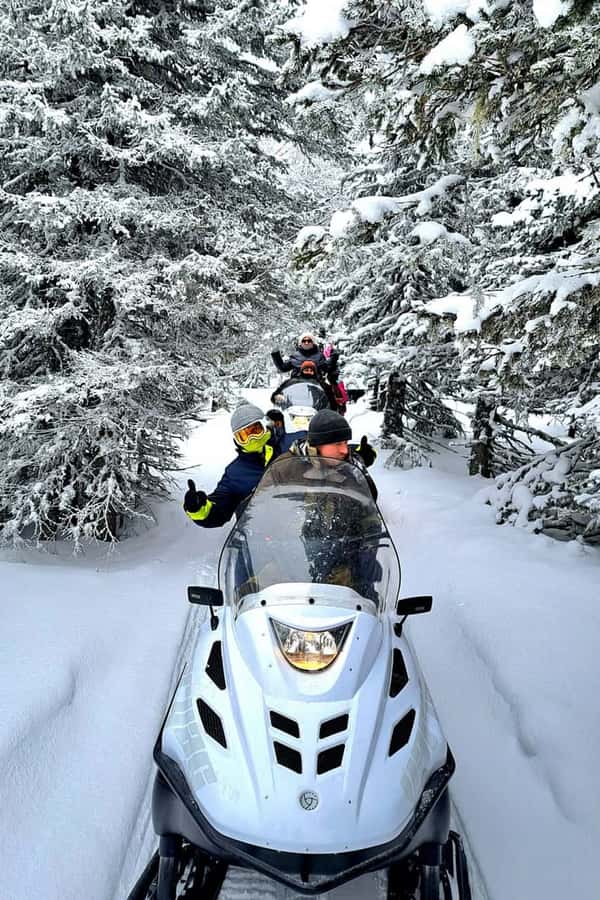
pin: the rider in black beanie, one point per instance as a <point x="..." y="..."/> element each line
<point x="328" y="436"/>
<point x="328" y="427"/>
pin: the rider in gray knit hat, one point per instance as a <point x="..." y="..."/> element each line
<point x="256" y="445"/>
<point x="245" y="415"/>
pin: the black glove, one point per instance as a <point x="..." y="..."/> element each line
<point x="366" y="452"/>
<point x="193" y="500"/>
<point x="278" y="360"/>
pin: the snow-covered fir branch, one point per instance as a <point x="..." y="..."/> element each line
<point x="145" y="205"/>
<point x="465" y="249"/>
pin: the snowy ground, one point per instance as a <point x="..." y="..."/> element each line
<point x="89" y="647"/>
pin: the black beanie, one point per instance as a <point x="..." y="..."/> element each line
<point x="328" y="427"/>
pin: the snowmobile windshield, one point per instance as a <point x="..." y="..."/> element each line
<point x="302" y="394"/>
<point x="311" y="521"/>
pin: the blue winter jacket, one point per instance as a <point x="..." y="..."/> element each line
<point x="241" y="477"/>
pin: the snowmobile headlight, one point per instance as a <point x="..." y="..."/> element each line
<point x="310" y="651"/>
<point x="300" y="422"/>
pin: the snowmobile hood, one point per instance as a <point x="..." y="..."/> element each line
<point x="258" y="650"/>
<point x="278" y="758"/>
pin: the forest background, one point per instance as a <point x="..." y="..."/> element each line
<point x="186" y="184"/>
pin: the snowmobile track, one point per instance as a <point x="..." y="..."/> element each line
<point x="478" y="886"/>
<point x="242" y="884"/>
<point x="245" y="884"/>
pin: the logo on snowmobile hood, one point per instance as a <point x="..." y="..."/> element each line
<point x="308" y="800"/>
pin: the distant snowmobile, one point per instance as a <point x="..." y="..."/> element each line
<point x="301" y="741"/>
<point x="299" y="399"/>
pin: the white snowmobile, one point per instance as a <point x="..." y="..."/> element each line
<point x="301" y="741"/>
<point x="299" y="399"/>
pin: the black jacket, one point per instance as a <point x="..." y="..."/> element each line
<point x="297" y="357"/>
<point x="241" y="477"/>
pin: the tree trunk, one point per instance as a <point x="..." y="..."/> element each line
<point x="481" y="445"/>
<point x="395" y="408"/>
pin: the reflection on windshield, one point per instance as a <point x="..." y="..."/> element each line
<point x="311" y="521"/>
<point x="302" y="393"/>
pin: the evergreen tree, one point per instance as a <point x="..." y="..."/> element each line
<point x="466" y="251"/>
<point x="142" y="215"/>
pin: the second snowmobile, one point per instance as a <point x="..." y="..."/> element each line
<point x="299" y="399"/>
<point x="301" y="741"/>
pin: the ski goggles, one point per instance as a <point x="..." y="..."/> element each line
<point x="254" y="430"/>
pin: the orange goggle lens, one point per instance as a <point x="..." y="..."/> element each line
<point x="256" y="429"/>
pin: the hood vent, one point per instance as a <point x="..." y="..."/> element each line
<point x="401" y="733"/>
<point x="330" y="759"/>
<point x="214" y="666"/>
<point x="287" y="757"/>
<point x="282" y="723"/>
<point x="333" y="726"/>
<point x="211" y="722"/>
<point x="399" y="677"/>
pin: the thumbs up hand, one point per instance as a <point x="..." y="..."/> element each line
<point x="194" y="500"/>
<point x="367" y="453"/>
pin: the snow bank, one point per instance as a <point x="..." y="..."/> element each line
<point x="507" y="606"/>
<point x="82" y="693"/>
<point x="456" y="49"/>
<point x="89" y="649"/>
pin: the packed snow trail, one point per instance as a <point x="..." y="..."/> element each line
<point x="510" y="657"/>
<point x="88" y="647"/>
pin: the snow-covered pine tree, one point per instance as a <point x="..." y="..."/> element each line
<point x="142" y="217"/>
<point x="467" y="249"/>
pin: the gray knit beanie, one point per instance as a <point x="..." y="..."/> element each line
<point x="245" y="415"/>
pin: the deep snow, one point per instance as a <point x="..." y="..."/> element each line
<point x="89" y="647"/>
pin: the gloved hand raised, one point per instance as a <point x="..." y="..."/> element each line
<point x="278" y="360"/>
<point x="193" y="500"/>
<point x="366" y="452"/>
